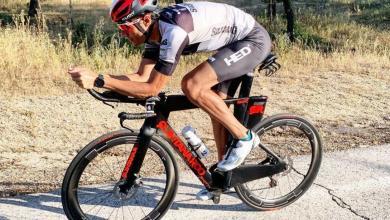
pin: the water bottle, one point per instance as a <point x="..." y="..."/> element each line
<point x="195" y="142"/>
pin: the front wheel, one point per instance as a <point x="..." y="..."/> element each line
<point x="91" y="189"/>
<point x="296" y="141"/>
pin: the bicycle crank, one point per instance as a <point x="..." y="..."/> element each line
<point x="216" y="196"/>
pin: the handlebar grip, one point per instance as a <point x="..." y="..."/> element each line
<point x="133" y="116"/>
<point x="101" y="97"/>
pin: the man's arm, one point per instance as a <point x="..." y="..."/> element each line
<point x="153" y="84"/>
<point x="142" y="75"/>
<point x="152" y="87"/>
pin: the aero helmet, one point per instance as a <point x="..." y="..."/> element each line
<point x="124" y="10"/>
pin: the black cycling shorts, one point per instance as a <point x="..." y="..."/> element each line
<point x="240" y="57"/>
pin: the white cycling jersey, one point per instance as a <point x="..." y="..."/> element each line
<point x="196" y="26"/>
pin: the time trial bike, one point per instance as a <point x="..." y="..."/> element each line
<point x="133" y="174"/>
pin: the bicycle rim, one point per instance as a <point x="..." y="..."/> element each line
<point x="297" y="142"/>
<point x="92" y="190"/>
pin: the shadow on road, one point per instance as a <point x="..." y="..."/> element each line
<point x="51" y="202"/>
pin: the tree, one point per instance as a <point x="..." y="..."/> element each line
<point x="34" y="8"/>
<point x="290" y="18"/>
<point x="271" y="10"/>
<point x="71" y="14"/>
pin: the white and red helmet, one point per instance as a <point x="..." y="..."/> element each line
<point x="124" y="10"/>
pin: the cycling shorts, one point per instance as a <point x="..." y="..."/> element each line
<point x="241" y="57"/>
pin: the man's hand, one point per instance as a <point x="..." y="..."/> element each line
<point x="84" y="78"/>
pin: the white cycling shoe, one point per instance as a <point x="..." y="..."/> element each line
<point x="237" y="154"/>
<point x="204" y="195"/>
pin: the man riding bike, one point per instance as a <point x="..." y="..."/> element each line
<point x="241" y="44"/>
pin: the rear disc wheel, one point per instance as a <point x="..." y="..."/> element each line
<point x="298" y="144"/>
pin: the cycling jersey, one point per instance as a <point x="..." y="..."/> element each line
<point x="197" y="26"/>
<point x="205" y="26"/>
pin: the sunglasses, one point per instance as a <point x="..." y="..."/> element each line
<point x="125" y="26"/>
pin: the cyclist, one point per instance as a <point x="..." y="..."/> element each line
<point x="240" y="44"/>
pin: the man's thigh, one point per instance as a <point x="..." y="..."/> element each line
<point x="203" y="77"/>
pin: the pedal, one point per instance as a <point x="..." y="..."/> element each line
<point x="216" y="199"/>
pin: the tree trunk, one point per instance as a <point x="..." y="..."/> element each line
<point x="34" y="7"/>
<point x="71" y="15"/>
<point x="321" y="5"/>
<point x="271" y="10"/>
<point x="290" y="19"/>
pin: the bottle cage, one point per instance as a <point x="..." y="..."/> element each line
<point x="269" y="65"/>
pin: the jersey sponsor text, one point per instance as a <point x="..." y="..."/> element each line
<point x="224" y="29"/>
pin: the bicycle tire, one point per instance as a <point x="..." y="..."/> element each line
<point x="256" y="198"/>
<point x="72" y="188"/>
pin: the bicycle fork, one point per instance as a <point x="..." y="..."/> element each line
<point x="134" y="162"/>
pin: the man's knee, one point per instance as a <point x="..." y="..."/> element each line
<point x="196" y="93"/>
<point x="186" y="85"/>
<point x="189" y="88"/>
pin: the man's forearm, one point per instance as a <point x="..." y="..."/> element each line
<point x="135" y="77"/>
<point x="129" y="88"/>
<point x="138" y="78"/>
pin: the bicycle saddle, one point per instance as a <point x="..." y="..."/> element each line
<point x="270" y="65"/>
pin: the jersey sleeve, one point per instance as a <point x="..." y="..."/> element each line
<point x="174" y="40"/>
<point x="151" y="52"/>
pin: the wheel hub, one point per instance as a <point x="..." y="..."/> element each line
<point x="289" y="165"/>
<point x="126" y="194"/>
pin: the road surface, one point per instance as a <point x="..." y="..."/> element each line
<point x="353" y="184"/>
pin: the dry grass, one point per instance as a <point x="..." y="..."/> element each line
<point x="35" y="62"/>
<point x="32" y="63"/>
<point x="298" y="61"/>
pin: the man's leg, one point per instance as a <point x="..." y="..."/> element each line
<point x="220" y="133"/>
<point x="197" y="87"/>
<point x="220" y="136"/>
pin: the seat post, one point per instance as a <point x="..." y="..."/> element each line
<point x="246" y="85"/>
<point x="245" y="90"/>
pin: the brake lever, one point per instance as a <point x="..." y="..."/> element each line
<point x="121" y="121"/>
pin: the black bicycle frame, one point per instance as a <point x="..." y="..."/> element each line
<point x="156" y="121"/>
<point x="210" y="179"/>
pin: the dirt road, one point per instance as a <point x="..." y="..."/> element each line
<point x="352" y="184"/>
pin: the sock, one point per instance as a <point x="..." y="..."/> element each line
<point x="248" y="136"/>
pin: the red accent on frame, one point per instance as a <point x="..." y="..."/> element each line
<point x="242" y="101"/>
<point x="192" y="161"/>
<point x="129" y="161"/>
<point x="256" y="109"/>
